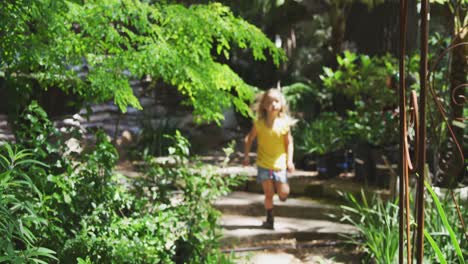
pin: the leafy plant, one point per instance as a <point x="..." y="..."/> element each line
<point x="151" y="139"/>
<point x="166" y="217"/>
<point x="325" y="134"/>
<point x="47" y="42"/>
<point x="366" y="82"/>
<point x="189" y="187"/>
<point x="306" y="99"/>
<point x="33" y="130"/>
<point x="18" y="216"/>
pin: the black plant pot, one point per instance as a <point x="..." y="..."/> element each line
<point x="322" y="162"/>
<point x="337" y="162"/>
<point x="384" y="164"/>
<point x="331" y="164"/>
<point x="309" y="162"/>
<point x="362" y="162"/>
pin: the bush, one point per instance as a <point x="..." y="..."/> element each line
<point x="325" y="134"/>
<point x="369" y="85"/>
<point x="85" y="213"/>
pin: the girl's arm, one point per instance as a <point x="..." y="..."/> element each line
<point x="248" y="140"/>
<point x="289" y="144"/>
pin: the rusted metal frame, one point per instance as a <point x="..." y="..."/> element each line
<point x="413" y="165"/>
<point x="422" y="131"/>
<point x="459" y="214"/>
<point x="403" y="186"/>
<point x="436" y="100"/>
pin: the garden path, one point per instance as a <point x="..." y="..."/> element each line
<point x="307" y="226"/>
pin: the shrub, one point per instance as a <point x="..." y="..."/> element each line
<point x="325" y="134"/>
<point x="85" y="213"/>
<point x="367" y="83"/>
<point x="18" y="216"/>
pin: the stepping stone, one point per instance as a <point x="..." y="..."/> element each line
<point x="268" y="257"/>
<point x="307" y="183"/>
<point x="241" y="230"/>
<point x="251" y="204"/>
<point x="321" y="255"/>
<point x="298" y="180"/>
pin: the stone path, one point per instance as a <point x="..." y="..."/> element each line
<point x="307" y="227"/>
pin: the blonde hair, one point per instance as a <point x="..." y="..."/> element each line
<point x="260" y="108"/>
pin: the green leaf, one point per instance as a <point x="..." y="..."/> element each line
<point x="434" y="246"/>
<point x="446" y="223"/>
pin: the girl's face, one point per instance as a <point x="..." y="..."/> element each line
<point x="273" y="103"/>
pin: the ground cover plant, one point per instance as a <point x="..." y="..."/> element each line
<point x="71" y="207"/>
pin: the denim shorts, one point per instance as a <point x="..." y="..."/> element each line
<point x="267" y="174"/>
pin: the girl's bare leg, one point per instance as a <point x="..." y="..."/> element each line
<point x="283" y="190"/>
<point x="269" y="191"/>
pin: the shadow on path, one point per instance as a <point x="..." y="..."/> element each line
<point x="234" y="227"/>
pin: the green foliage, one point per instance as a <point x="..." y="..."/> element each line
<point x="445" y="230"/>
<point x="151" y="139"/>
<point x="366" y="82"/>
<point x="306" y="98"/>
<point x="123" y="40"/>
<point x="325" y="134"/>
<point x="377" y="223"/>
<point x="33" y="130"/>
<point x="170" y="218"/>
<point x="86" y="214"/>
<point x="18" y="215"/>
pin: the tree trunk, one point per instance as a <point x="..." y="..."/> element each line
<point x="376" y="31"/>
<point x="338" y="24"/>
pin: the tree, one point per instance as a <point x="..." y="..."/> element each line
<point x="338" y="13"/>
<point x="47" y="41"/>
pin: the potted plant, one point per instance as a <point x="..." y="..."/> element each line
<point x="323" y="139"/>
<point x="370" y="84"/>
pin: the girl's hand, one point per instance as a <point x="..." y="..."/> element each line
<point x="246" y="161"/>
<point x="290" y="166"/>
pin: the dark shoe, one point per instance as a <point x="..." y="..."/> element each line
<point x="268" y="225"/>
<point x="283" y="199"/>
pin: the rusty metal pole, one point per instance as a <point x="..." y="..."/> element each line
<point x="422" y="130"/>
<point x="402" y="114"/>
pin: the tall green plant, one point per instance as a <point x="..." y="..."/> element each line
<point x="448" y="227"/>
<point x="377" y="222"/>
<point x="18" y="215"/>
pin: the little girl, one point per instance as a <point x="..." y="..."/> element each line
<point x="275" y="148"/>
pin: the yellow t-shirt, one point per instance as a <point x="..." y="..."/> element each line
<point x="271" y="148"/>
